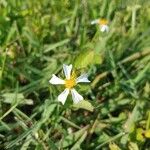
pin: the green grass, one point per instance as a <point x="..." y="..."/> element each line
<point x="37" y="37"/>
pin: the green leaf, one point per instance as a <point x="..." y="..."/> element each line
<point x="139" y="134"/>
<point x="133" y="146"/>
<point x="84" y="59"/>
<point x="84" y="105"/>
<point x="48" y="110"/>
<point x="114" y="146"/>
<point x="133" y="117"/>
<point x="10" y="98"/>
<point x="55" y="45"/>
<point x="97" y="58"/>
<point x="87" y="57"/>
<point x="72" y="138"/>
<point x="52" y="144"/>
<point x="78" y="143"/>
<point x="147" y="133"/>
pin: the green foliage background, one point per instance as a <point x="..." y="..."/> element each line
<point x="37" y="37"/>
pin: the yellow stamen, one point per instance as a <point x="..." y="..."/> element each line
<point x="71" y="82"/>
<point x="103" y="22"/>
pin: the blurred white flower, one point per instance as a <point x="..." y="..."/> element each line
<point x="103" y="24"/>
<point x="69" y="84"/>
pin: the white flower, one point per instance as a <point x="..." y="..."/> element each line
<point x="96" y="21"/>
<point x="103" y="24"/>
<point x="69" y="84"/>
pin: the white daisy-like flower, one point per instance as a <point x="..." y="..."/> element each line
<point x="69" y="83"/>
<point x="103" y="24"/>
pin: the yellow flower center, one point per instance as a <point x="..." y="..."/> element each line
<point x="71" y="82"/>
<point x="103" y="22"/>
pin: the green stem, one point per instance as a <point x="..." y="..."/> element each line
<point x="2" y="70"/>
<point x="133" y="23"/>
<point x="110" y="140"/>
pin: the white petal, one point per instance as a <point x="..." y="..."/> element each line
<point x="56" y="80"/>
<point x="76" y="96"/>
<point x="82" y="78"/>
<point x="95" y="21"/>
<point x="67" y="70"/>
<point x="63" y="96"/>
<point x="104" y="28"/>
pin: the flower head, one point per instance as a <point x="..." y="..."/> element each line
<point x="103" y="24"/>
<point x="69" y="83"/>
